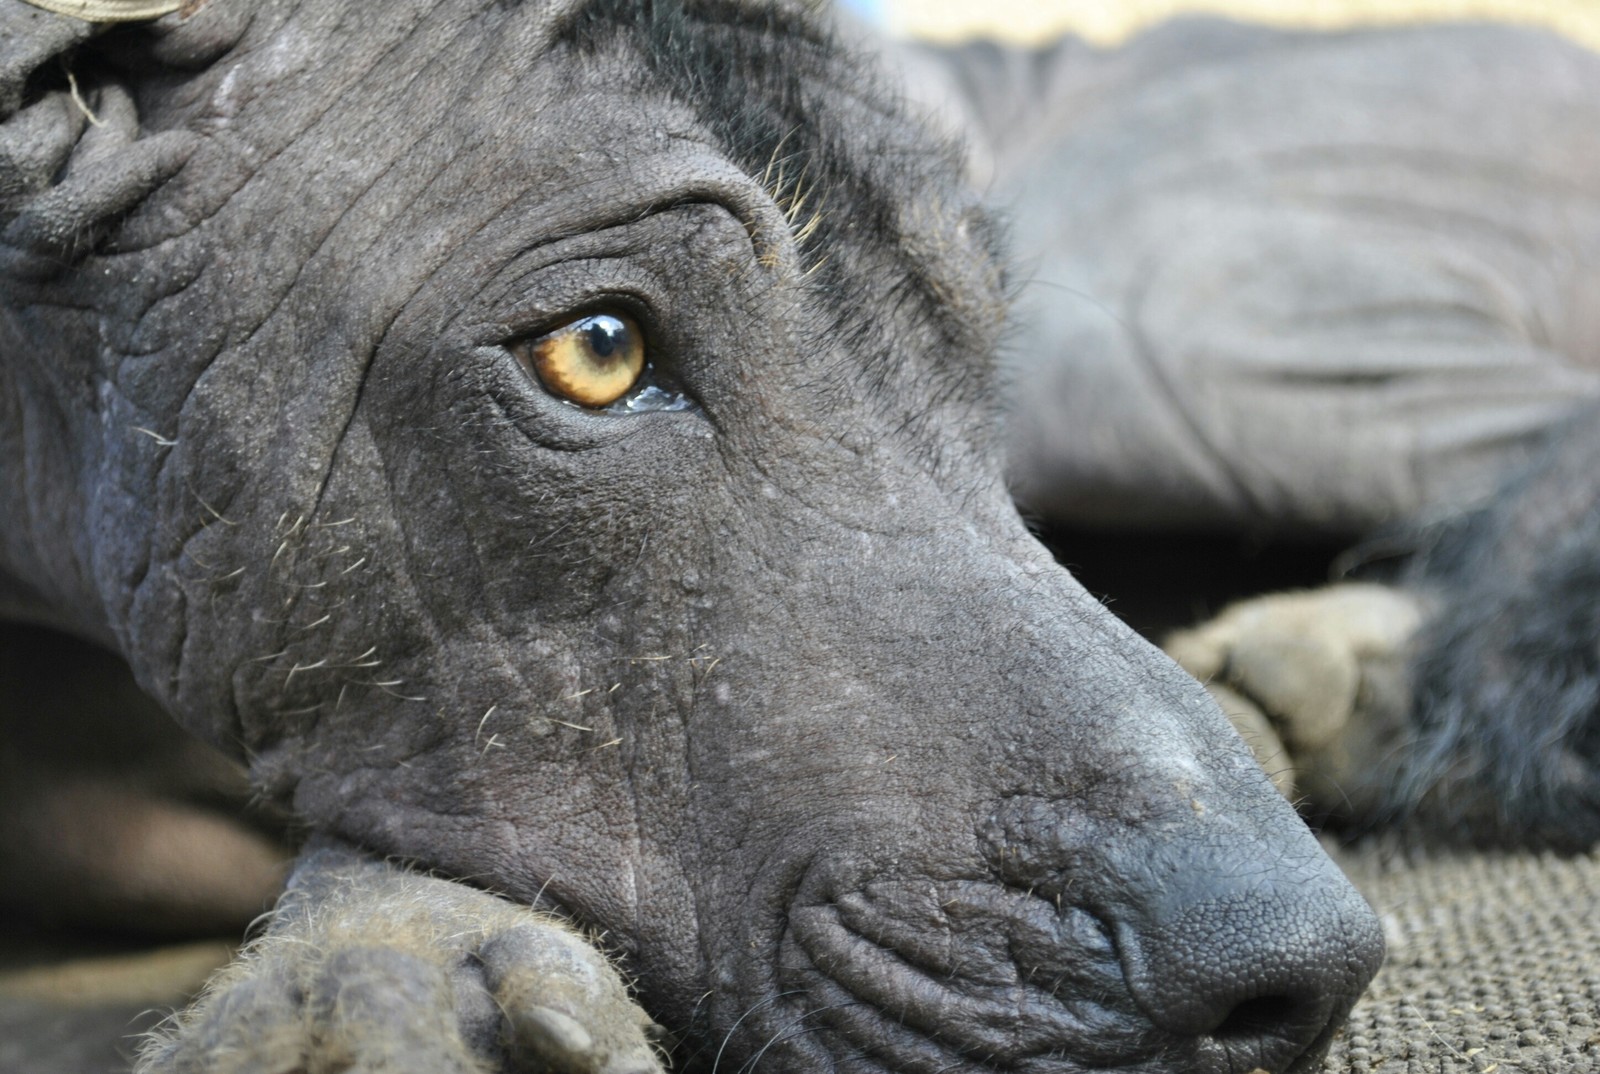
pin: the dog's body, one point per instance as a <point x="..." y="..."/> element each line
<point x="751" y="665"/>
<point x="1328" y="287"/>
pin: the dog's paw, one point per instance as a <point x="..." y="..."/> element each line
<point x="1315" y="681"/>
<point x="367" y="967"/>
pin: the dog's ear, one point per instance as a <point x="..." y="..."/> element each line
<point x="72" y="158"/>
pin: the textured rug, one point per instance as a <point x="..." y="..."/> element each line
<point x="1493" y="968"/>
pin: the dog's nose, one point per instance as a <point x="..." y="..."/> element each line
<point x="1240" y="944"/>
<point x="1250" y="965"/>
<point x="1248" y="957"/>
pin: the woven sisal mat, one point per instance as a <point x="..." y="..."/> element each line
<point x="1493" y="968"/>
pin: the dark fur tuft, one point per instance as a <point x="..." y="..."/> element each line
<point x="1507" y="674"/>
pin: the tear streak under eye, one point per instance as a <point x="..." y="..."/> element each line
<point x="650" y="398"/>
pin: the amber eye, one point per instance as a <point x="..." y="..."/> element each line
<point x="592" y="361"/>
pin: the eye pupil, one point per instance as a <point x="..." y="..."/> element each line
<point x="606" y="334"/>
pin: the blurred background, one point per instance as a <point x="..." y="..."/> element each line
<point x="1110" y="21"/>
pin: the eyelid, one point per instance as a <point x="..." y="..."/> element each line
<point x="608" y="298"/>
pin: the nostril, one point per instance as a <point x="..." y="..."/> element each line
<point x="1259" y="1017"/>
<point x="1250" y="971"/>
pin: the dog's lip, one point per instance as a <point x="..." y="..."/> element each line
<point x="889" y="1003"/>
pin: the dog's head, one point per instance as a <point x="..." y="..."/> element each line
<point x="555" y="442"/>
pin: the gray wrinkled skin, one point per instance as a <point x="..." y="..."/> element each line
<point x="1286" y="283"/>
<point x="775" y="691"/>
